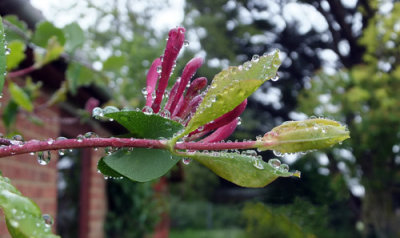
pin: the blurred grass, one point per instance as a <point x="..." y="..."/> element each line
<point x="215" y="233"/>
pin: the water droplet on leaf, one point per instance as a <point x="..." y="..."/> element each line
<point x="276" y="163"/>
<point x="48" y="220"/>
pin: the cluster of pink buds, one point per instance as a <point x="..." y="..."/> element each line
<point x="181" y="105"/>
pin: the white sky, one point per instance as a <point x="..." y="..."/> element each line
<point x="57" y="12"/>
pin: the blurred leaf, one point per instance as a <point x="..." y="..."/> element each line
<point x="23" y="216"/>
<point x="53" y="52"/>
<point x="146" y="126"/>
<point x="297" y="136"/>
<point x="2" y="56"/>
<point x="74" y="35"/>
<point x="44" y="32"/>
<point x="231" y="86"/>
<point x="35" y="120"/>
<point x="16" y="25"/>
<point x="20" y="97"/>
<point x="141" y="164"/>
<point x="241" y="169"/>
<point x="17" y="54"/>
<point x="78" y="75"/>
<point x="60" y="95"/>
<point x="114" y="63"/>
<point x="10" y="114"/>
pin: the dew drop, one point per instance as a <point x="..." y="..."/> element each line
<point x="186" y="43"/>
<point x="8" y="51"/>
<point x="110" y="109"/>
<point x="276" y="163"/>
<point x="165" y="113"/>
<point x="61" y="152"/>
<point x="43" y="157"/>
<point x="239" y="121"/>
<point x="147" y="110"/>
<point x="97" y="112"/>
<point x="18" y="138"/>
<point x="50" y="141"/>
<point x="258" y="164"/>
<point x="186" y="161"/>
<point x="48" y="220"/>
<point x="80" y="138"/>
<point x="275" y="78"/>
<point x="90" y="134"/>
<point x="255" y="58"/>
<point x="277" y="153"/>
<point x="144" y="91"/>
<point x="159" y="69"/>
<point x="284" y="168"/>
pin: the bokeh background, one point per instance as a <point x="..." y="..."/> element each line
<point x="340" y="60"/>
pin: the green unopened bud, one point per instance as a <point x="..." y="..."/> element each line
<point x="297" y="136"/>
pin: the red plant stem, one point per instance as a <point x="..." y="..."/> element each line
<point x="21" y="72"/>
<point x="35" y="145"/>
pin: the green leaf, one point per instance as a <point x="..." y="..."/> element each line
<point x="230" y="87"/>
<point x="74" y="35"/>
<point x="141" y="164"/>
<point x="242" y="169"/>
<point x="52" y="52"/>
<point x="297" y="136"/>
<point x="10" y="114"/>
<point x="17" y="54"/>
<point x="3" y="64"/>
<point x="60" y="95"/>
<point x="45" y="31"/>
<point x="114" y="63"/>
<point x="78" y="75"/>
<point x="146" y="126"/>
<point x="16" y="29"/>
<point x="23" y="216"/>
<point x="20" y="97"/>
<point x="106" y="170"/>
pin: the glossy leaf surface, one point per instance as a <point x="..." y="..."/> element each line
<point x="230" y="87"/>
<point x="297" y="136"/>
<point x="23" y="216"/>
<point x="241" y="169"/>
<point x="146" y="126"/>
<point x="140" y="164"/>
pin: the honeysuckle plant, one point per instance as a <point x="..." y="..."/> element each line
<point x="189" y="122"/>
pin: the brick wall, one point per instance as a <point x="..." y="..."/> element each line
<point x="40" y="182"/>
<point x="33" y="180"/>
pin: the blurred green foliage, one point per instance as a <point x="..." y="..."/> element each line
<point x="366" y="97"/>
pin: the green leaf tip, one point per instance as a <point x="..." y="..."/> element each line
<point x="245" y="169"/>
<point x="298" y="136"/>
<point x="232" y="86"/>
